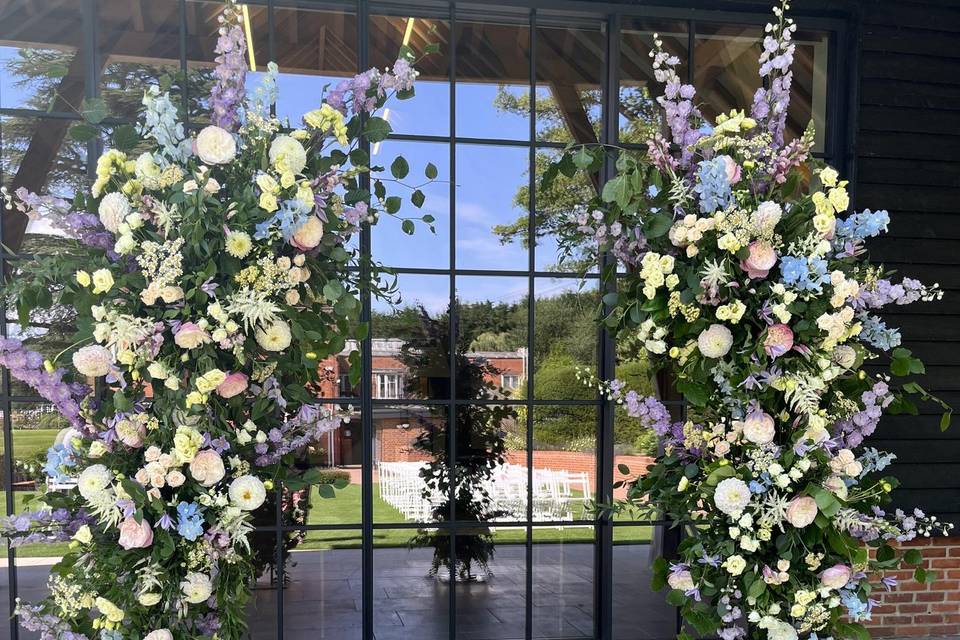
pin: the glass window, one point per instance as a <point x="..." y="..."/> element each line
<point x="389" y="385"/>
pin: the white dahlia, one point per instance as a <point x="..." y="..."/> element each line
<point x="93" y="480"/>
<point x="715" y="341"/>
<point x="196" y="587"/>
<point x="112" y="210"/>
<point x="732" y="496"/>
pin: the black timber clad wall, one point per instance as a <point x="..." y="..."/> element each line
<point x="907" y="160"/>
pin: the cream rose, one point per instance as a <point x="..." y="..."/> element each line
<point x="207" y="467"/>
<point x="216" y="145"/>
<point x="758" y="427"/>
<point x="159" y="634"/>
<point x="802" y="511"/>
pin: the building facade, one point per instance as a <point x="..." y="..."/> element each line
<point x="514" y="81"/>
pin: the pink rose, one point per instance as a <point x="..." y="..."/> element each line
<point x="207" y="468"/>
<point x="175" y="478"/>
<point x="836" y="577"/>
<point x="134" y="535"/>
<point x="761" y="259"/>
<point x="779" y="340"/>
<point x="758" y="427"/>
<point x="131" y="433"/>
<point x="235" y="383"/>
<point x="733" y="169"/>
<point x="190" y="336"/>
<point x="801" y="511"/>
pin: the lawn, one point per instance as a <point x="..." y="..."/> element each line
<point x="345" y="509"/>
<point x="29" y="442"/>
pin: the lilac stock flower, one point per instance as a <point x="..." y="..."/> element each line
<point x="851" y="431"/>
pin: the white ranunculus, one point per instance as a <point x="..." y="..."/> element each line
<point x="715" y="341"/>
<point x="731" y="496"/>
<point x="276" y="337"/>
<point x="112" y="210"/>
<point x="93" y="480"/>
<point x="247" y="492"/>
<point x="196" y="588"/>
<point x="93" y="360"/>
<point x="777" y="629"/>
<point x="216" y="145"/>
<point x="758" y="427"/>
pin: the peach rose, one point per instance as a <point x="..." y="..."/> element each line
<point x="190" y="336"/>
<point x="308" y="235"/>
<point x="135" y="535"/>
<point x="207" y="468"/>
<point x="779" y="340"/>
<point x="235" y="383"/>
<point x="761" y="259"/>
<point x="175" y="478"/>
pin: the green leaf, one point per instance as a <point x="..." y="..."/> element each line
<point x="430" y="171"/>
<point x="399" y="168"/>
<point x="433" y="47"/>
<point x="676" y="598"/>
<point x="945" y="420"/>
<point x="617" y="190"/>
<point x="408" y="227"/>
<point x="57" y="70"/>
<point x="920" y="574"/>
<point x="392" y="204"/>
<point x="376" y="129"/>
<point x="657" y="225"/>
<point x="360" y="157"/>
<point x="695" y="394"/>
<point x="333" y="290"/>
<point x="885" y="553"/>
<point x="913" y="556"/>
<point x="93" y="110"/>
<point x="757" y="588"/>
<point x="582" y="158"/>
<point x="623" y="469"/>
<point x="125" y="137"/>
<point x="83" y="132"/>
<point x="720" y="473"/>
<point x="417" y="198"/>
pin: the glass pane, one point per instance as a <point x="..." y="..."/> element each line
<point x="424" y="249"/>
<point x="635" y="606"/>
<point x="202" y="27"/>
<point x="564" y="461"/>
<point x="639" y="111"/>
<point x="42" y="57"/>
<point x="808" y="93"/>
<point x="412" y="464"/>
<point x="634" y="445"/>
<point x="335" y="460"/>
<point x="565" y="337"/>
<point x="43" y="155"/>
<point x="138" y="43"/>
<point x="555" y="207"/>
<point x="408" y="602"/>
<point x="411" y="340"/>
<point x="429" y="112"/>
<point x="563" y="585"/>
<point x="313" y="49"/>
<point x="492" y="474"/>
<point x="263" y="614"/>
<point x="569" y="73"/>
<point x="491" y="208"/>
<point x="323" y="596"/>
<point x="491" y="605"/>
<point x="50" y="335"/>
<point x="493" y="78"/>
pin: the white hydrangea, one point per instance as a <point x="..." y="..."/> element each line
<point x="112" y="210"/>
<point x="93" y="360"/>
<point x="731" y="496"/>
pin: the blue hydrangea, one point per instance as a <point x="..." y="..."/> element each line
<point x="857" y="609"/>
<point x="58" y="457"/>
<point x="189" y="520"/>
<point x="876" y="333"/>
<point x="804" y="274"/>
<point x="861" y="226"/>
<point x="712" y="185"/>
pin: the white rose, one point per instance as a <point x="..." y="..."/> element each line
<point x="287" y="155"/>
<point x="735" y="565"/>
<point x="112" y="210"/>
<point x="715" y="341"/>
<point x="247" y="492"/>
<point x="216" y="145"/>
<point x="159" y="634"/>
<point x="125" y="244"/>
<point x="777" y="629"/>
<point x="276" y="337"/>
<point x="681" y="580"/>
<point x="731" y="496"/>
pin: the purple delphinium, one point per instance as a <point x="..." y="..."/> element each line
<point x="27" y="366"/>
<point x="228" y="92"/>
<point x="770" y="105"/>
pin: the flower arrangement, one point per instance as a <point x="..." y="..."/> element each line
<point x="210" y="275"/>
<point x="746" y="279"/>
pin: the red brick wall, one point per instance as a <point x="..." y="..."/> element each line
<point x="930" y="609"/>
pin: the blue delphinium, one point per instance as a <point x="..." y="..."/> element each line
<point x="861" y="226"/>
<point x="876" y="333"/>
<point x="58" y="457"/>
<point x="189" y="520"/>
<point x="804" y="274"/>
<point x="713" y="185"/>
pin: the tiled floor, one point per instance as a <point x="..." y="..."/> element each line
<point x="323" y="599"/>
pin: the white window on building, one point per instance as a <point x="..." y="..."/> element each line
<point x="510" y="381"/>
<point x="389" y="385"/>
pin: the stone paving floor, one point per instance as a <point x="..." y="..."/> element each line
<point x="322" y="601"/>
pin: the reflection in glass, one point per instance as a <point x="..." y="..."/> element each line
<point x="495" y="609"/>
<point x="569" y="73"/>
<point x="139" y="43"/>
<point x="635" y="605"/>
<point x="425" y="248"/>
<point x="555" y="208"/>
<point x="491" y="207"/>
<point x="493" y="79"/>
<point x="563" y="582"/>
<point x="564" y="461"/>
<point x="428" y="114"/>
<point x="263" y="609"/>
<point x="405" y="604"/>
<point x="565" y="338"/>
<point x="808" y="93"/>
<point x="639" y="112"/>
<point x="48" y="73"/>
<point x="313" y="49"/>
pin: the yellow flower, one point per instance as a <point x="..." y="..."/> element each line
<point x="186" y="443"/>
<point x="821" y="203"/>
<point x="326" y="118"/>
<point x="267" y="183"/>
<point x="210" y="380"/>
<point x="268" y="201"/>
<point x="287" y="179"/>
<point x="828" y="176"/>
<point x="195" y="397"/>
<point x="238" y="244"/>
<point x="823" y="222"/>
<point x="102" y="281"/>
<point x="83" y="278"/>
<point x="839" y="199"/>
<point x="305" y="194"/>
<point x="112" y="612"/>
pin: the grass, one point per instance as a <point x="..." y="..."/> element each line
<point x="29" y="442"/>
